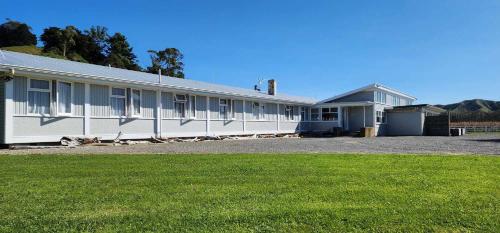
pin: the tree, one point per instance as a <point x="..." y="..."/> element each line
<point x="92" y="44"/>
<point x="13" y="33"/>
<point x="99" y="35"/>
<point x="68" y="35"/>
<point x="169" y="61"/>
<point x="52" y="40"/>
<point x="119" y="53"/>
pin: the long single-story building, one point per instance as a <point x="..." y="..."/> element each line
<point x="44" y="99"/>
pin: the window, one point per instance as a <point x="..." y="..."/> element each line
<point x="303" y="114"/>
<point x="118" y="101"/>
<point x="225" y="109"/>
<point x="192" y="106"/>
<point x="314" y="114"/>
<point x="289" y="113"/>
<point x="381" y="117"/>
<point x="380" y="97"/>
<point x="180" y="106"/>
<point x="329" y="114"/>
<point x="396" y="101"/>
<point x="64" y="98"/>
<point x="39" y="97"/>
<point x="136" y="102"/>
<point x="258" y="111"/>
<point x="410" y="102"/>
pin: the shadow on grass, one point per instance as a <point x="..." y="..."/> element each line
<point x="486" y="140"/>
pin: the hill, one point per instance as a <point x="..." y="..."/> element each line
<point x="31" y="49"/>
<point x="475" y="105"/>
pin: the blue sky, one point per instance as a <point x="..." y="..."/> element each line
<point x="439" y="51"/>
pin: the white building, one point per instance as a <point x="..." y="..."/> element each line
<point x="43" y="99"/>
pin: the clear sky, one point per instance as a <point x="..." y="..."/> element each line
<point x="440" y="51"/>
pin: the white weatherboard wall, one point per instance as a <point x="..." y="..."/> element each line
<point x="94" y="119"/>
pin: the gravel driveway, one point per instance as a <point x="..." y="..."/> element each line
<point x="470" y="144"/>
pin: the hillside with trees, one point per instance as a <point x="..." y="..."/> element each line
<point x="94" y="45"/>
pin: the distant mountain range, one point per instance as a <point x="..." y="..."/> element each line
<point x="475" y="105"/>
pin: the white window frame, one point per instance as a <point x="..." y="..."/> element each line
<point x="289" y="114"/>
<point x="382" y="115"/>
<point x="132" y="107"/>
<point x="185" y="101"/>
<point x="226" y="107"/>
<point x="261" y="116"/>
<point x="192" y="107"/>
<point x="72" y="99"/>
<point x="302" y="114"/>
<point x="28" y="88"/>
<point x="330" y="110"/>
<point x="120" y="97"/>
<point x="382" y="98"/>
<point x="311" y="114"/>
<point x="396" y="100"/>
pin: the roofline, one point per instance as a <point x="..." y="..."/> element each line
<point x="373" y="85"/>
<point x="105" y="78"/>
<point x="345" y="104"/>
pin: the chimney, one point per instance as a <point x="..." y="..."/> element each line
<point x="271" y="87"/>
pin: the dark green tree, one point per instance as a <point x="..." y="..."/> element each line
<point x="13" y="33"/>
<point x="119" y="53"/>
<point x="169" y="61"/>
<point x="52" y="40"/>
<point x="92" y="44"/>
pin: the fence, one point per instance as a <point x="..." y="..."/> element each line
<point x="475" y="117"/>
<point x="476" y="122"/>
<point x="437" y="125"/>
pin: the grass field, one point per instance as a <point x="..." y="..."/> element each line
<point x="304" y="193"/>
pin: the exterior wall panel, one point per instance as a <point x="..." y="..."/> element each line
<point x="183" y="128"/>
<point x="47" y="126"/>
<point x="359" y="96"/>
<point x="99" y="100"/>
<point x="112" y="126"/>
<point x="261" y="127"/>
<point x="20" y="95"/>
<point x="238" y="108"/>
<point x="214" y="108"/>
<point x="148" y="105"/>
<point x="224" y="127"/>
<point x="289" y="127"/>
<point x="78" y="99"/>
<point x="167" y="102"/>
<point x="201" y="107"/>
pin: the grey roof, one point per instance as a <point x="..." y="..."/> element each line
<point x="34" y="63"/>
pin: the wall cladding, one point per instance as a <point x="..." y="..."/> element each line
<point x="99" y="100"/>
<point x="47" y="126"/>
<point x="20" y="95"/>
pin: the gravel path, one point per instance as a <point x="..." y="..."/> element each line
<point x="470" y="144"/>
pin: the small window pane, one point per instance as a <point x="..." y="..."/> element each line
<point x="64" y="98"/>
<point x="39" y="84"/>
<point x="38" y="102"/>
<point x="118" y="91"/>
<point x="192" y="106"/>
<point x="180" y="97"/>
<point x="118" y="106"/>
<point x="136" y="101"/>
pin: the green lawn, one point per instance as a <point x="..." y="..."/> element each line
<point x="304" y="193"/>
